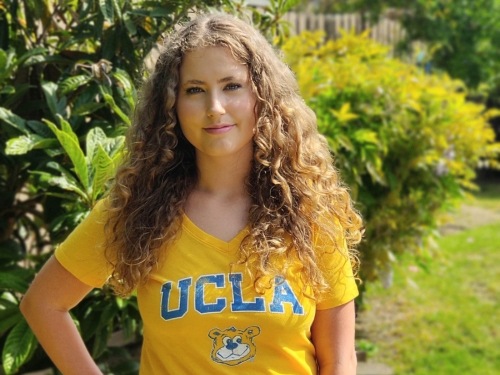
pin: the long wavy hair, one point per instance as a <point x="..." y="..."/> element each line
<point x="295" y="189"/>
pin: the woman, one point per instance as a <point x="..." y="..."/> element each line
<point x="228" y="218"/>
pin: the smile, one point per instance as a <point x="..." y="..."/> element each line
<point x="220" y="130"/>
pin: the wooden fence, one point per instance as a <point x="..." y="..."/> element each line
<point x="387" y="31"/>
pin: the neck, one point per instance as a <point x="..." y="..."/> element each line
<point x="224" y="177"/>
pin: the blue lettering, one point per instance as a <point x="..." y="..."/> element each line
<point x="238" y="304"/>
<point x="183" y="286"/>
<point x="284" y="294"/>
<point x="200" y="305"/>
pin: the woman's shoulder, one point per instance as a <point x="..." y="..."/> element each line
<point x="83" y="252"/>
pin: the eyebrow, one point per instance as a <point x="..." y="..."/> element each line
<point x="198" y="82"/>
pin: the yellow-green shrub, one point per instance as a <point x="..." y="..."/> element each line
<point x="406" y="143"/>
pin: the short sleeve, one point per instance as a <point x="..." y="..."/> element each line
<point x="82" y="253"/>
<point x="337" y="270"/>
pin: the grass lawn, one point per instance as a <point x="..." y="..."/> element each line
<point x="445" y="321"/>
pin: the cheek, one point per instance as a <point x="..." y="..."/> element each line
<point x="184" y="111"/>
<point x="244" y="108"/>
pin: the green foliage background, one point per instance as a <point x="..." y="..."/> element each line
<point x="68" y="76"/>
<point x="405" y="143"/>
<point x="462" y="36"/>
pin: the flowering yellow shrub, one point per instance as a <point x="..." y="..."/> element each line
<point x="406" y="143"/>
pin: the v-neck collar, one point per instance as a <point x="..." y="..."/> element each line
<point x="212" y="241"/>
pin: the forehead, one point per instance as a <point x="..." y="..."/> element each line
<point x="211" y="63"/>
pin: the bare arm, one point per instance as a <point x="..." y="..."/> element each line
<point x="46" y="307"/>
<point x="333" y="338"/>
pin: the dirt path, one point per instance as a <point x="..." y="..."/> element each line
<point x="470" y="217"/>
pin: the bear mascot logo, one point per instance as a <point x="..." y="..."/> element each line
<point x="233" y="346"/>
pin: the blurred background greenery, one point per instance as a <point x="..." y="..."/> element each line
<point x="409" y="129"/>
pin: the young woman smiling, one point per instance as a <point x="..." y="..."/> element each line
<point x="228" y="218"/>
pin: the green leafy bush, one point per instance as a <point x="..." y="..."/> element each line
<point x="462" y="36"/>
<point x="406" y="143"/>
<point x="68" y="72"/>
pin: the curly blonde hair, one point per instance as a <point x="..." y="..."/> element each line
<point x="295" y="189"/>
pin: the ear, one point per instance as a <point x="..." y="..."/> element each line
<point x="252" y="331"/>
<point x="214" y="333"/>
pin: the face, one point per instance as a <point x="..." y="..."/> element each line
<point x="215" y="104"/>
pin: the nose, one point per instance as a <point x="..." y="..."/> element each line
<point x="231" y="345"/>
<point x="215" y="106"/>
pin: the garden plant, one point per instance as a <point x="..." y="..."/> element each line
<point x="406" y="143"/>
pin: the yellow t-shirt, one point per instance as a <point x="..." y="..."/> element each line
<point x="201" y="319"/>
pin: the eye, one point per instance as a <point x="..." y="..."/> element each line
<point x="193" y="90"/>
<point x="237" y="339"/>
<point x="226" y="340"/>
<point x="233" y="86"/>
<point x="196" y="90"/>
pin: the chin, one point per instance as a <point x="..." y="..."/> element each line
<point x="219" y="153"/>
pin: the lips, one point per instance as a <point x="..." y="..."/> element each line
<point x="219" y="126"/>
<point x="219" y="129"/>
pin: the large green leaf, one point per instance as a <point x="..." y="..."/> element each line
<point x="13" y="282"/>
<point x="94" y="137"/>
<point x="87" y="109"/>
<point x="90" y="324"/>
<point x="13" y="120"/>
<point x="9" y="317"/>
<point x="64" y="171"/>
<point x="40" y="128"/>
<point x="127" y="325"/>
<point x="50" y="90"/>
<point x="32" y="52"/>
<point x="44" y="59"/>
<point x="127" y="85"/>
<point x="114" y="145"/>
<point x="62" y="106"/>
<point x="116" y="6"/>
<point x="72" y="83"/>
<point x="100" y="341"/>
<point x="107" y="9"/>
<point x="110" y="311"/>
<point x="65" y="184"/>
<point x="18" y="347"/>
<point x="53" y="152"/>
<point x="25" y="143"/>
<point x="103" y="165"/>
<point x="129" y="24"/>
<point x="111" y="102"/>
<point x="287" y="5"/>
<point x="75" y="153"/>
<point x="66" y="127"/>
